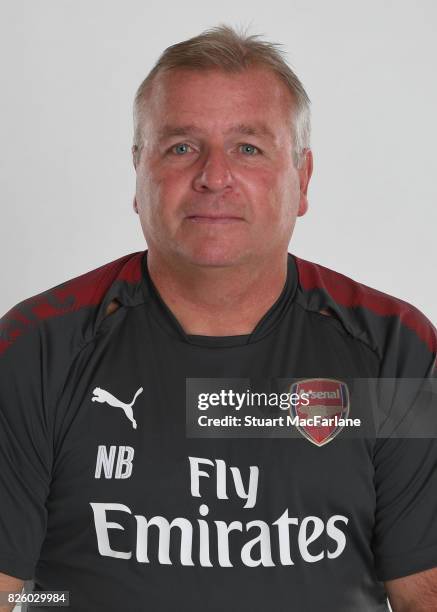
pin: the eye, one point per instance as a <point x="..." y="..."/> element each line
<point x="181" y="148"/>
<point x="249" y="149"/>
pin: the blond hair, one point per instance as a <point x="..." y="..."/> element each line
<point x="224" y="48"/>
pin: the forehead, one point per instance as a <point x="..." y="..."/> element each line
<point x="216" y="98"/>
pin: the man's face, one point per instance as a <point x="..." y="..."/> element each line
<point x="216" y="184"/>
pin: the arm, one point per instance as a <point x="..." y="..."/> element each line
<point x="10" y="585"/>
<point x="26" y="440"/>
<point x="414" y="593"/>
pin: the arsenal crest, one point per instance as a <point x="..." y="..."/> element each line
<point x="322" y="413"/>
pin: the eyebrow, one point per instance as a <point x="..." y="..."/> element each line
<point x="258" y="129"/>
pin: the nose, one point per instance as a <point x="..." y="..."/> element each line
<point x="215" y="174"/>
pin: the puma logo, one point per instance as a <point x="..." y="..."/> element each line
<point x="104" y="397"/>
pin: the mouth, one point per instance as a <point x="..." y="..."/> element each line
<point x="213" y="219"/>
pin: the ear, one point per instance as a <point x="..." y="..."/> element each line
<point x="134" y="160"/>
<point x="134" y="151"/>
<point x="305" y="172"/>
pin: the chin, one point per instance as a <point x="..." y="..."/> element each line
<point x="217" y="255"/>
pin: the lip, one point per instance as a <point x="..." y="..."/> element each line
<point x="213" y="218"/>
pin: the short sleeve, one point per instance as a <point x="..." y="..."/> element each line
<point x="405" y="463"/>
<point x="25" y="449"/>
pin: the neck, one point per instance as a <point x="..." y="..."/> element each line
<point x="218" y="301"/>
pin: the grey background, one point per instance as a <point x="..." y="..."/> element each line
<point x="69" y="73"/>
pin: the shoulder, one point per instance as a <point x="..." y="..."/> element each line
<point x="390" y="326"/>
<point x="72" y="309"/>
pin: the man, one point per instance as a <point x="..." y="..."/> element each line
<point x="107" y="490"/>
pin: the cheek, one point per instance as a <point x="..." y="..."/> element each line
<point x="287" y="193"/>
<point x="272" y="195"/>
<point x="151" y="191"/>
<point x="169" y="188"/>
<point x="258" y="183"/>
